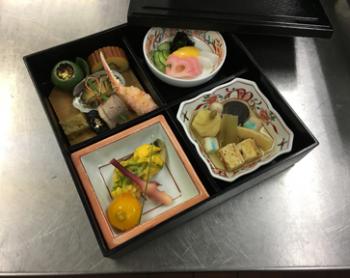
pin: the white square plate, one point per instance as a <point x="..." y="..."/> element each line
<point x="177" y="178"/>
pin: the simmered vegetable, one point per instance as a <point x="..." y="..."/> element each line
<point x="228" y="131"/>
<point x="206" y="123"/>
<point x="66" y="74"/>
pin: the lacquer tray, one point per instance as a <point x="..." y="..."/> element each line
<point x="239" y="63"/>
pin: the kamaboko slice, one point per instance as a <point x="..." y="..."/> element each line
<point x="189" y="67"/>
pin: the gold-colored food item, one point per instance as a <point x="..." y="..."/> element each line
<point x="249" y="150"/>
<point x="65" y="71"/>
<point x="228" y="130"/>
<point x="124" y="212"/>
<point x="115" y="57"/>
<point x="96" y="90"/>
<point x="262" y="140"/>
<point x="139" y="165"/>
<point x="231" y="157"/>
<point x="61" y="102"/>
<point x="74" y="125"/>
<point x="206" y="123"/>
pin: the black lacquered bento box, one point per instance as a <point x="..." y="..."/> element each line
<point x="239" y="64"/>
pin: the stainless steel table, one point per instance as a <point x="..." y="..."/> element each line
<point x="300" y="218"/>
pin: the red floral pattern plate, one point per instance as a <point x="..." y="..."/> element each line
<point x="245" y="91"/>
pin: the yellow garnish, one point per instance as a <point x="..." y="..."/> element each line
<point x="143" y="152"/>
<point x="140" y="166"/>
<point x="186" y="51"/>
<point x="124" y="212"/>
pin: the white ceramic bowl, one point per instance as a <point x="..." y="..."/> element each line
<point x="245" y="91"/>
<point x="213" y="40"/>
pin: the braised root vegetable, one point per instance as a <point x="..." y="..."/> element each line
<point x="206" y="123"/>
<point x="228" y="130"/>
<point x="262" y="140"/>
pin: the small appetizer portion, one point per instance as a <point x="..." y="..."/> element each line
<point x="231" y="157"/>
<point x="95" y="93"/>
<point x="66" y="74"/>
<point x="184" y="58"/>
<point x="96" y="90"/>
<point x="114" y="55"/>
<point x="206" y="123"/>
<point x="264" y="141"/>
<point x="99" y="93"/>
<point x="146" y="162"/>
<point x="95" y="122"/>
<point x="74" y="125"/>
<point x="125" y="211"/>
<point x="114" y="111"/>
<point x="139" y="101"/>
<point x="249" y="150"/>
<point x="221" y="132"/>
<point x="132" y="179"/>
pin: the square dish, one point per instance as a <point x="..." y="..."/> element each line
<point x="261" y="121"/>
<point x="178" y="177"/>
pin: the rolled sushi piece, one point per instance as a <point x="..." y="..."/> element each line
<point x="113" y="111"/>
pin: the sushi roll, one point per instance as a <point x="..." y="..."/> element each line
<point x="113" y="111"/>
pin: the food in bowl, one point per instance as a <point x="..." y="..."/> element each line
<point x="229" y="145"/>
<point x="234" y="128"/>
<point x="182" y="57"/>
<point x="66" y="74"/>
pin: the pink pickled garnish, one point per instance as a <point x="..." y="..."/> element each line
<point x="151" y="188"/>
<point x="189" y="67"/>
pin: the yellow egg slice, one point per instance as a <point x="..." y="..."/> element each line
<point x="187" y="51"/>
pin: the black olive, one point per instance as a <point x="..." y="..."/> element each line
<point x="95" y="122"/>
<point x="237" y="108"/>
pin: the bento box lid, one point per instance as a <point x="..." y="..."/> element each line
<point x="263" y="17"/>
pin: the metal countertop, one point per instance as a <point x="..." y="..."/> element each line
<point x="299" y="218"/>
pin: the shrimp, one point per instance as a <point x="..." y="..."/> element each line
<point x="136" y="99"/>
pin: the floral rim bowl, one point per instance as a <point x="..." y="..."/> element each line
<point x="212" y="41"/>
<point x="245" y="91"/>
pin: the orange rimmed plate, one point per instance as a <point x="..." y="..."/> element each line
<point x="177" y="177"/>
